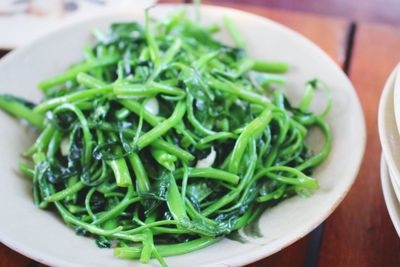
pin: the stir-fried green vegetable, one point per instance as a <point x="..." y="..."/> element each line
<point x="163" y="140"/>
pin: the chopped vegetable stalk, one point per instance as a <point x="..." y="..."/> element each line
<point x="19" y="109"/>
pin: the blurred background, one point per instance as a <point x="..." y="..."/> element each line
<point x="21" y="20"/>
<point x="377" y="11"/>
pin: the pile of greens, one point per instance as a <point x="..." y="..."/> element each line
<point x="164" y="140"/>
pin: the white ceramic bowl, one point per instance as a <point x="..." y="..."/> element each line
<point x="391" y="200"/>
<point x="390" y="140"/>
<point x="388" y="131"/>
<point x="41" y="235"/>
<point x="396" y="98"/>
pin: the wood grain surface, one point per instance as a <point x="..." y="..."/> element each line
<point x="360" y="233"/>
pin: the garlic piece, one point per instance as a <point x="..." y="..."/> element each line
<point x="207" y="161"/>
<point x="152" y="106"/>
<point x="64" y="146"/>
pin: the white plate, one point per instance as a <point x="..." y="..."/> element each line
<point x="392" y="203"/>
<point x="41" y="235"/>
<point x="388" y="131"/>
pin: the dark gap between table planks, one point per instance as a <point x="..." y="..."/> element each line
<point x="349" y="47"/>
<point x="320" y="30"/>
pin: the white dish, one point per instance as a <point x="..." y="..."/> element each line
<point x="392" y="127"/>
<point x="41" y="235"/>
<point x="388" y="131"/>
<point x="392" y="202"/>
<point x="396" y="99"/>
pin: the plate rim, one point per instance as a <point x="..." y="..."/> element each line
<point x="396" y="94"/>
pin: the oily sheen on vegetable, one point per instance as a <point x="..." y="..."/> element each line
<point x="164" y="140"/>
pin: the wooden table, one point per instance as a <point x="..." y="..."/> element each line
<point x="359" y="232"/>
